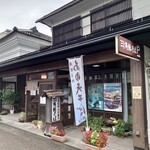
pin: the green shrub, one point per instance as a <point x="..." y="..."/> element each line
<point x="95" y="123"/>
<point x="22" y="117"/>
<point x="4" y="112"/>
<point x="7" y="96"/>
<point x="120" y="128"/>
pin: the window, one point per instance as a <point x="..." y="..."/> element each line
<point x="115" y="12"/>
<point x="67" y="31"/>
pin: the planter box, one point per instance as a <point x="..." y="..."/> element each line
<point x="91" y="147"/>
<point x="59" y="138"/>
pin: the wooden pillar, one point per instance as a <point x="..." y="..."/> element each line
<point x="140" y="136"/>
<point x="1" y="86"/>
<point x="21" y="82"/>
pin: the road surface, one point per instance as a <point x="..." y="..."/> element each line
<point x="16" y="139"/>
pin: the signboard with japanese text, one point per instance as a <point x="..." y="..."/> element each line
<point x="78" y="88"/>
<point x="127" y="48"/>
<point x="55" y="109"/>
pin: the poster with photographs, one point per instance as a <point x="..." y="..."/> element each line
<point x="113" y="97"/>
<point x="95" y="96"/>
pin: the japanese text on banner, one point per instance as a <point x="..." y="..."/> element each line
<point x="78" y="88"/>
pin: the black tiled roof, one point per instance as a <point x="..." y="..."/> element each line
<point x="33" y="32"/>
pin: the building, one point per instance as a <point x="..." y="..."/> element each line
<point x="19" y="43"/>
<point x="89" y="28"/>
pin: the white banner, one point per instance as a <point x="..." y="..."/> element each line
<point x="78" y="88"/>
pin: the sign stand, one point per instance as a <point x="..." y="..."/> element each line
<point x="53" y="109"/>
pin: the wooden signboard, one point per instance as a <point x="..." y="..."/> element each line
<point x="127" y="48"/>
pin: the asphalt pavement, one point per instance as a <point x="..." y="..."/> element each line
<point x="15" y="139"/>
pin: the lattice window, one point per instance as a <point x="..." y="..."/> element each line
<point x="116" y="12"/>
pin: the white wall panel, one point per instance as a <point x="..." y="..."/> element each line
<point x="141" y="8"/>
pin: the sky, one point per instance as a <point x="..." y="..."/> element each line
<point x="24" y="13"/>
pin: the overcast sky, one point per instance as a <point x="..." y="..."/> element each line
<point x="24" y="13"/>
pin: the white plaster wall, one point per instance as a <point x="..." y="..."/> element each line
<point x="80" y="9"/>
<point x="140" y="8"/>
<point x="86" y="26"/>
<point x="147" y="58"/>
<point x="19" y="44"/>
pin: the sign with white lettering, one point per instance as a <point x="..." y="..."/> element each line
<point x="78" y="88"/>
<point x="127" y="48"/>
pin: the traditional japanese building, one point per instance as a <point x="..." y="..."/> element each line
<point x="117" y="83"/>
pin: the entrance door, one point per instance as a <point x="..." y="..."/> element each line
<point x="43" y="86"/>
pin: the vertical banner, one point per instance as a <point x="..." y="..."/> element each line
<point x="78" y="88"/>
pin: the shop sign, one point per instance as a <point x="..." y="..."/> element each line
<point x="136" y="92"/>
<point x="78" y="88"/>
<point x="55" y="109"/>
<point x="127" y="48"/>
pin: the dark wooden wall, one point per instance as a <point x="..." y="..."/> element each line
<point x="139" y="107"/>
<point x="21" y="83"/>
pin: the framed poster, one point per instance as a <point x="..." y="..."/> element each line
<point x="95" y="96"/>
<point x="113" y="97"/>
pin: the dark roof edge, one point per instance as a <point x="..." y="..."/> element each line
<point x="36" y="36"/>
<point x="17" y="31"/>
<point x="70" y="4"/>
<point x="90" y="41"/>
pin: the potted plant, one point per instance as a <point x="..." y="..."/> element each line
<point x="22" y="117"/>
<point x="119" y="128"/>
<point x="95" y="140"/>
<point x="58" y="135"/>
<point x="7" y="96"/>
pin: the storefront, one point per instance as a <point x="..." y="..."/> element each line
<point x="109" y="78"/>
<point x="107" y="83"/>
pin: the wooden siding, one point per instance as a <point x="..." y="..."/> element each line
<point x="111" y="14"/>
<point x="67" y="31"/>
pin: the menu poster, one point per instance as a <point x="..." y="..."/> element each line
<point x="113" y="97"/>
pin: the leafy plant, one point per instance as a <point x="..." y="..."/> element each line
<point x="95" y="123"/>
<point x="4" y="112"/>
<point x="54" y="130"/>
<point x="35" y="122"/>
<point x="95" y="138"/>
<point x="120" y="128"/>
<point x="22" y="117"/>
<point x="7" y="96"/>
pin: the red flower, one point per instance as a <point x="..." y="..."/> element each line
<point x="56" y="131"/>
<point x="95" y="138"/>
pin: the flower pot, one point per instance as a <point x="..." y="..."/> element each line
<point x="11" y="111"/>
<point x="59" y="138"/>
<point x="91" y="147"/>
<point x="113" y="129"/>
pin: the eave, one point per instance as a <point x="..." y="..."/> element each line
<point x="101" y="43"/>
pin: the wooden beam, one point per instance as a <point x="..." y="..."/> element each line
<point x="99" y="57"/>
